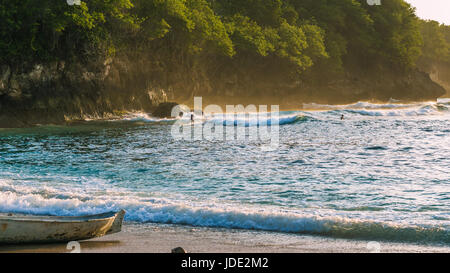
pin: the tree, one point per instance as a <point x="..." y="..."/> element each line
<point x="397" y="34"/>
<point x="436" y="37"/>
<point x="43" y="31"/>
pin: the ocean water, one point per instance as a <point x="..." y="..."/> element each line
<point x="382" y="173"/>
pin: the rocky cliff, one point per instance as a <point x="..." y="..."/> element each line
<point x="58" y="92"/>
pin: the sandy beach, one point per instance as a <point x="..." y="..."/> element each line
<point x="152" y="238"/>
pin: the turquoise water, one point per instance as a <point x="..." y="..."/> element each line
<point x="381" y="174"/>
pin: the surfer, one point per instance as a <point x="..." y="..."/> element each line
<point x="192" y="117"/>
<point x="342" y="117"/>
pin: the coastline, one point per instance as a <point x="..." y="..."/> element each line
<point x="161" y="238"/>
<point x="33" y="120"/>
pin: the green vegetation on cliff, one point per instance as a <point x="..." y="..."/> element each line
<point x="436" y="38"/>
<point x="435" y="58"/>
<point x="313" y="49"/>
<point x="47" y="30"/>
<point x="289" y="32"/>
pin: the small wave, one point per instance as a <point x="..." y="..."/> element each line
<point x="245" y="120"/>
<point x="381" y="110"/>
<point x="143" y="117"/>
<point x="442" y="107"/>
<point x="423" y="111"/>
<point x="376" y="148"/>
<point x="299" y="161"/>
<point x="158" y="210"/>
<point x="258" y="121"/>
<point x="359" y="105"/>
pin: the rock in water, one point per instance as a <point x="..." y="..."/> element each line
<point x="178" y="250"/>
<point x="164" y="110"/>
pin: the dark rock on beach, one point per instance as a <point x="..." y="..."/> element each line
<point x="178" y="250"/>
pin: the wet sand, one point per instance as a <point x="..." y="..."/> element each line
<point x="152" y="238"/>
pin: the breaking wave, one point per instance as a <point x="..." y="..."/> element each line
<point x="48" y="201"/>
<point x="310" y="112"/>
<point x="246" y="120"/>
<point x="382" y="110"/>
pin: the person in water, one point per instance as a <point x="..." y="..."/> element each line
<point x="342" y="117"/>
<point x="192" y="117"/>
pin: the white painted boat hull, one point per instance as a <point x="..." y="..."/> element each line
<point x="50" y="229"/>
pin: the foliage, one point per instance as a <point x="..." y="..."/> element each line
<point x="397" y="32"/>
<point x="436" y="37"/>
<point x="48" y="30"/>
<point x="288" y="33"/>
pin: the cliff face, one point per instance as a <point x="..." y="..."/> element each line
<point x="58" y="92"/>
<point x="440" y="73"/>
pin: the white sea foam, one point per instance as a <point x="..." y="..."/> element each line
<point x="25" y="199"/>
<point x="255" y="120"/>
<point x="382" y="110"/>
<point x="226" y="120"/>
<point x="143" y="117"/>
<point x="364" y="105"/>
<point x="310" y="110"/>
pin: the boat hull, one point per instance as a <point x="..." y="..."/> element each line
<point x="41" y="229"/>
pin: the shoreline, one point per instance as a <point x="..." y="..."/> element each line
<point x="110" y="116"/>
<point x="162" y="238"/>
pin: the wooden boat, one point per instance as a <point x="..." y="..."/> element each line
<point x="20" y="229"/>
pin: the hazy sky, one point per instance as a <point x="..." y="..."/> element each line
<point x="438" y="10"/>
